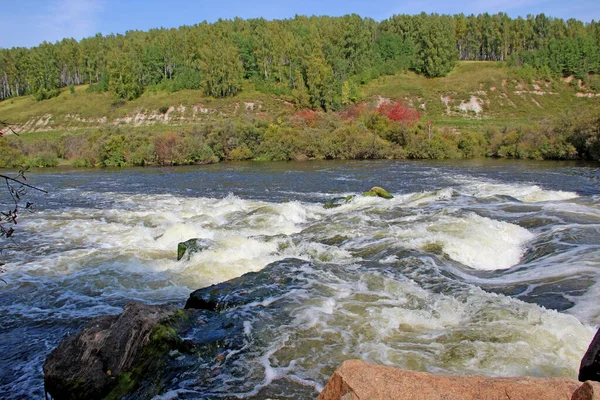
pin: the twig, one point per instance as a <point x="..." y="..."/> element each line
<point x="8" y="178"/>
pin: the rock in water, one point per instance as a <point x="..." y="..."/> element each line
<point x="99" y="361"/>
<point x="192" y="246"/>
<point x="589" y="369"/>
<point x="271" y="281"/>
<point x="337" y="201"/>
<point x="379" y="192"/>
<point x="358" y="380"/>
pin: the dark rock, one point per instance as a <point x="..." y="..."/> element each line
<point x="248" y="288"/>
<point x="379" y="192"/>
<point x="111" y="352"/>
<point x="589" y="369"/>
<point x="192" y="246"/>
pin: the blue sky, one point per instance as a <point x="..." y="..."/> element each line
<point x="30" y="22"/>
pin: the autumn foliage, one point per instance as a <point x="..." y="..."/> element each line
<point x="306" y="117"/>
<point x="399" y="111"/>
<point x="354" y="111"/>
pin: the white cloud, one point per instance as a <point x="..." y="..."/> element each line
<point x="69" y="18"/>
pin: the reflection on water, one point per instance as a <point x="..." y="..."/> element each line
<point x="486" y="267"/>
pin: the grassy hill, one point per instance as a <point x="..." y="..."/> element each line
<point x="474" y="98"/>
<point x="475" y="94"/>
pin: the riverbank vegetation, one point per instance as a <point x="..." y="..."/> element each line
<point x="389" y="131"/>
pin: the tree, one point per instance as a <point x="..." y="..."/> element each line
<point x="435" y="47"/>
<point x="320" y="82"/>
<point x="221" y="67"/>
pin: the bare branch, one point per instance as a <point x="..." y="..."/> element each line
<point x="20" y="182"/>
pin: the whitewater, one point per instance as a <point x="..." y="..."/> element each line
<point x="472" y="268"/>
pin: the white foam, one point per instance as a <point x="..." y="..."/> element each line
<point x="473" y="332"/>
<point x="524" y="193"/>
<point x="475" y="241"/>
<point x="420" y="199"/>
<point x="232" y="256"/>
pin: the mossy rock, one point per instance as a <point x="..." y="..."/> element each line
<point x="192" y="246"/>
<point x="436" y="248"/>
<point x="113" y="354"/>
<point x="338" y="201"/>
<point x="376" y="191"/>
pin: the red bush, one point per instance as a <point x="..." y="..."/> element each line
<point x="399" y="111"/>
<point x="165" y="147"/>
<point x="307" y="117"/>
<point x="355" y="111"/>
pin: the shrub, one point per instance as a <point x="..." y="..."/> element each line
<point x="43" y="160"/>
<point x="165" y="146"/>
<point x="43" y="94"/>
<point x="354" y="111"/>
<point x="194" y="150"/>
<point x="100" y="87"/>
<point x="278" y="144"/>
<point x="526" y="73"/>
<point x="240" y="153"/>
<point x="112" y="152"/>
<point x="399" y="112"/>
<point x="305" y="117"/>
<point x="436" y="148"/>
<point x="128" y="90"/>
<point x="10" y="154"/>
<point x="471" y="145"/>
<point x="355" y="142"/>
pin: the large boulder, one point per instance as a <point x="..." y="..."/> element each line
<point x="589" y="370"/>
<point x="111" y="352"/>
<point x="358" y="380"/>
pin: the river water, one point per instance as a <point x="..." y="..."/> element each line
<point x="475" y="267"/>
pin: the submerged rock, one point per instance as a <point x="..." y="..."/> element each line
<point x="358" y="380"/>
<point x="589" y="369"/>
<point x="192" y="246"/>
<point x="379" y="192"/>
<point x="112" y="354"/>
<point x="338" y="201"/>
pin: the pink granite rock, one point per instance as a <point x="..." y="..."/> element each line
<point x="357" y="380"/>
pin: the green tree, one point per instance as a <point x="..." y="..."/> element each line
<point x="435" y="49"/>
<point x="221" y="67"/>
<point x="320" y="82"/>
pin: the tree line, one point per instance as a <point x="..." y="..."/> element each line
<point x="316" y="61"/>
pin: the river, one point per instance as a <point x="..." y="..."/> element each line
<point x="475" y="267"/>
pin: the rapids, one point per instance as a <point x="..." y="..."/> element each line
<point x="478" y="267"/>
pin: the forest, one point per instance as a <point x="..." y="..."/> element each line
<point x="317" y="62"/>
